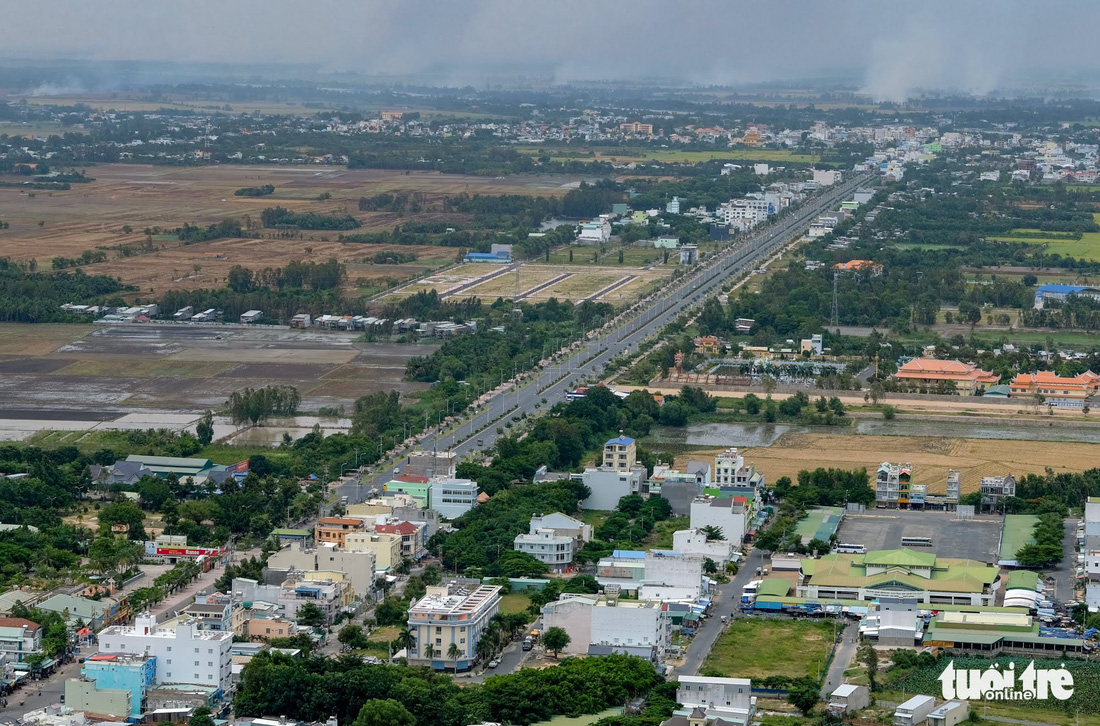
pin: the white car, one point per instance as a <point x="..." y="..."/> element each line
<point x="494" y="663"/>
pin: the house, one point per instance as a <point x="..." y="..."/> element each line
<point x="673" y="576"/>
<point x="673" y="207"/>
<point x="1054" y="388"/>
<point x="411" y="534"/>
<point x="451" y="497"/>
<point x="914" y="711"/>
<point x="335" y="530"/>
<point x="210" y="613"/>
<point x="562" y="524"/>
<point x="185" y="655"/>
<point x="93" y="613"/>
<point x="689" y="254"/>
<point x="19" y="638"/>
<point x="620" y="453"/>
<point x="251" y="316"/>
<point x="848" y="698"/>
<point x="121" y="472"/>
<point x="994" y="489"/>
<point x="418" y="488"/>
<point x="730" y="470"/>
<point x="182" y="467"/>
<point x="812" y="345"/>
<point x="451" y="614"/>
<point x="893" y="485"/>
<point x="132" y="674"/>
<point x="595" y="232"/>
<point x="966" y="378"/>
<point x="896" y="622"/>
<point x="729" y="515"/>
<point x="826" y="177"/>
<point x="554" y="550"/>
<point x="331" y="592"/>
<point x="951" y="713"/>
<point x="695" y="542"/>
<point x="743" y="326"/>
<point x="386" y="549"/>
<point x="608" y="621"/>
<point x="427" y="464"/>
<point x="609" y="485"/>
<point x="357" y="565"/>
<point x="301" y="320"/>
<point x="728" y="699"/>
<point x="667" y="242"/>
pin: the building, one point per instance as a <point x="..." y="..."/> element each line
<point x="335" y="530"/>
<point x="902" y="574"/>
<point x="131" y="673"/>
<point x="562" y="524"/>
<point x="411" y="534"/>
<point x="620" y="453"/>
<point x="171" y="549"/>
<point x="730" y="470"/>
<point x="1059" y="293"/>
<point x="872" y="268"/>
<point x="812" y="345"/>
<point x="743" y="326"/>
<point x="730" y="699"/>
<point x="954" y="486"/>
<point x="503" y="257"/>
<point x="428" y="464"/>
<point x="673" y="207"/>
<point x="417" y="488"/>
<point x="19" y="638"/>
<point x="848" y="698"/>
<point x="451" y="497"/>
<point x="182" y="467"/>
<point x="609" y="485"/>
<point x="689" y="254"/>
<point x="914" y="711"/>
<point x="329" y="595"/>
<point x="185" y="655"/>
<point x="895" y="622"/>
<point x="83" y="696"/>
<point x="357" y="565"/>
<point x="595" y="232"/>
<point x="93" y="613"/>
<point x="923" y="373"/>
<point x="673" y="576"/>
<point x="990" y="634"/>
<point x="1055" y="389"/>
<point x="451" y="614"/>
<point x="269" y="628"/>
<point x="211" y="613"/>
<point x="555" y="550"/>
<point x="729" y="515"/>
<point x="301" y="320"/>
<point x="251" y="316"/>
<point x="385" y="547"/>
<point x="637" y="128"/>
<point x="599" y="620"/>
<point x="826" y="177"/>
<point x="892" y="485"/>
<point x="951" y="713"/>
<point x="695" y="542"/>
<point x="994" y="489"/>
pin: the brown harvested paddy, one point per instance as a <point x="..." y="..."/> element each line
<point x="23" y="340"/>
<point x="92" y="216"/>
<point x="930" y="456"/>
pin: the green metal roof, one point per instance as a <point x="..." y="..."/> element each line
<point x="1023" y="580"/>
<point x="904" y="557"/>
<point x="773" y="587"/>
<point x="286" y="532"/>
<point x="1018" y="530"/>
<point x="172" y="461"/>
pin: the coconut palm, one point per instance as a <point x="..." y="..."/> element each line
<point x="454" y="653"/>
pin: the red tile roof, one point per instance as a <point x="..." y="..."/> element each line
<point x="19" y="623"/>
<point x="402" y="528"/>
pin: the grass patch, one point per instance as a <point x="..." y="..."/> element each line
<point x="1086" y="248"/>
<point x="595" y="517"/>
<point x="1061" y="338"/>
<point x="661" y="536"/>
<point x="757" y="648"/>
<point x="227" y="454"/>
<point x="514" y="602"/>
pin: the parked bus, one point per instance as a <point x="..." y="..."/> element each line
<point x="749" y="593"/>
<point x="916" y="541"/>
<point x="850" y="549"/>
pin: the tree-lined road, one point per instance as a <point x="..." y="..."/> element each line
<point x="621" y="336"/>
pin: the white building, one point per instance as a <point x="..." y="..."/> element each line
<point x="672" y="576"/>
<point x="19" y="638"/>
<point x="562" y="524"/>
<point x="452" y="497"/>
<point x="728" y="515"/>
<point x="993" y="176"/>
<point x="826" y="177"/>
<point x="914" y="711"/>
<point x="673" y="207"/>
<point x="358" y="566"/>
<point x="848" y="698"/>
<point x="694" y="542"/>
<point x="608" y="486"/>
<point x="728" y="698"/>
<point x="330" y="596"/>
<point x="949" y="714"/>
<point x="633" y="625"/>
<point x="730" y="470"/>
<point x="185" y="655"/>
<point x="595" y="232"/>
<point x="447" y="614"/>
<point x="555" y="550"/>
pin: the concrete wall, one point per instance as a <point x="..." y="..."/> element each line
<point x="574" y="617"/>
<point x="84" y="696"/>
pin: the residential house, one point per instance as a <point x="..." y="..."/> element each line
<point x="892" y="485"/>
<point x="554" y="550"/>
<point x="729" y="699"/>
<point x="451" y="614"/>
<point x="132" y="674"/>
<point x="329" y="595"/>
<point x="641" y="627"/>
<point x="695" y="542"/>
<point x="729" y="515"/>
<point x="19" y="639"/>
<point x="185" y="655"/>
<point x="620" y="453"/>
<point x="562" y="524"/>
<point x="848" y="698"/>
<point x="412" y="537"/>
<point x="869" y="266"/>
<point x="335" y="530"/>
<point x="609" y="485"/>
<point x="994" y="490"/>
<point x="358" y="566"/>
<point x="386" y="548"/>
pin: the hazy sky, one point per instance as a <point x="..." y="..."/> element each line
<point x="893" y="46"/>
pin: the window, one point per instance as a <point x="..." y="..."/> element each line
<point x="196" y="664"/>
<point x="169" y="650"/>
<point x="209" y="664"/>
<point x="169" y="661"/>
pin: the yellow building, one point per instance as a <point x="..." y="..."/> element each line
<point x="620" y="453"/>
<point x="386" y="548"/>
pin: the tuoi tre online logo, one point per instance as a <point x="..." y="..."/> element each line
<point x="997" y="684"/>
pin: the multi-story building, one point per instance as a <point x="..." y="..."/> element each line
<point x="1045" y="293"/>
<point x="414" y="487"/>
<point x="269" y="628"/>
<point x="133" y="673"/>
<point x="695" y="542"/>
<point x="451" y="614"/>
<point x="965" y="378"/>
<point x="636" y="627"/>
<point x="210" y="613"/>
<point x="385" y="547"/>
<point x="563" y="525"/>
<point x="1056" y="389"/>
<point x="429" y="464"/>
<point x="729" y="515"/>
<point x="357" y="566"/>
<point x="954" y="486"/>
<point x="330" y="596"/>
<point x="892" y="485"/>
<point x="620" y="453"/>
<point x="185" y="655"/>
<point x="452" y="497"/>
<point x="411" y="534"/>
<point x="608" y="485"/>
<point x="730" y="470"/>
<point x="636" y="127"/>
<point x="555" y="550"/>
<point x="673" y="576"/>
<point x="994" y="489"/>
<point x="728" y="699"/>
<point x="19" y="639"/>
<point x="335" y="530"/>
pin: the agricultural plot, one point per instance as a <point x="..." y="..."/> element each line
<point x="1086" y="248"/>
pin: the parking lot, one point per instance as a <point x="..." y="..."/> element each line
<point x="882" y="529"/>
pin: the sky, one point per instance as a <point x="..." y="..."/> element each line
<point x="891" y="48"/>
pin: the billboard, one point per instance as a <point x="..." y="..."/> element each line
<point x="153" y="549"/>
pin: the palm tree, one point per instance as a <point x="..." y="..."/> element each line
<point x="429" y="651"/>
<point x="485" y="648"/>
<point x="405" y="639"/>
<point x="454" y="653"/>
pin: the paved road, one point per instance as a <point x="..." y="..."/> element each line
<point x="1063" y="572"/>
<point x="849" y="642"/>
<point x="728" y="603"/>
<point x="585" y="360"/>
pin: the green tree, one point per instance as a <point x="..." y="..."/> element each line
<point x="351" y="636"/>
<point x="713" y="533"/>
<point x="868" y="656"/>
<point x="555" y="639"/>
<point x="804" y="694"/>
<point x="405" y="639"/>
<point x="204" y="430"/>
<point x="310" y="616"/>
<point x="202" y="717"/>
<point x="384" y="712"/>
<point x="454" y="653"/>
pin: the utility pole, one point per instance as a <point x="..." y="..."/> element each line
<point x="835" y="319"/>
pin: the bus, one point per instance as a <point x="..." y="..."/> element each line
<point x="916" y="541"/>
<point x="850" y="549"/>
<point x="749" y="593"/>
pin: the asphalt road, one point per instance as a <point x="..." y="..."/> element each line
<point x="585" y="360"/>
<point x="845" y="650"/>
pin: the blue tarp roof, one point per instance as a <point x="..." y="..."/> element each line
<point x="1064" y="289"/>
<point x="628" y="554"/>
<point x="620" y="441"/>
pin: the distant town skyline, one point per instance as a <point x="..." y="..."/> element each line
<point x="891" y="49"/>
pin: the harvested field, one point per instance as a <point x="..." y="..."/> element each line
<point x="931" y="457"/>
<point x="92" y="217"/>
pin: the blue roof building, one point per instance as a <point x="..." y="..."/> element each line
<point x="1043" y="293"/>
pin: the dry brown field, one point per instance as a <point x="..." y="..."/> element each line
<point x="931" y="457"/>
<point x="92" y="216"/>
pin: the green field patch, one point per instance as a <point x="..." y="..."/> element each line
<point x="515" y="602"/>
<point x="661" y="536"/>
<point x="752" y="648"/>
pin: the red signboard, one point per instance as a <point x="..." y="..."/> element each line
<point x="188" y="551"/>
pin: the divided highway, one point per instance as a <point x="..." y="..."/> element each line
<point x="587" y="359"/>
